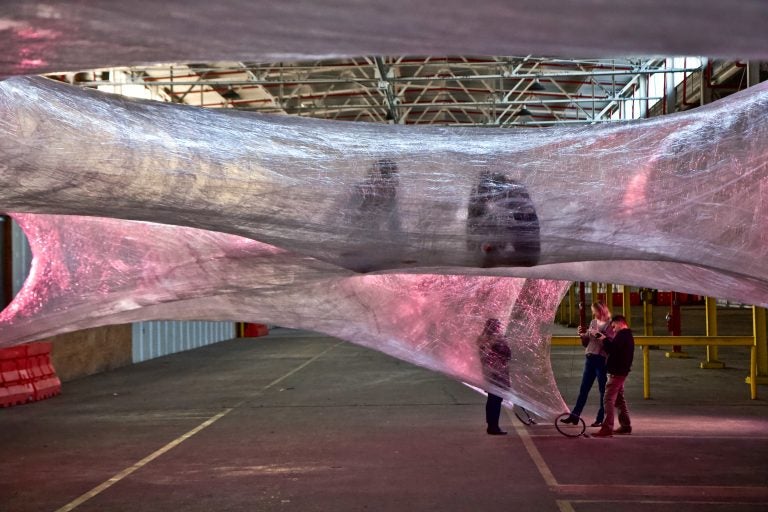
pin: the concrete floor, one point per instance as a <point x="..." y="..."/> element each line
<point x="296" y="421"/>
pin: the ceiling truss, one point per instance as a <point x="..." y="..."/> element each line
<point x="455" y="90"/>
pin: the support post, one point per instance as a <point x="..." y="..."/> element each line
<point x="572" y="311"/>
<point x="758" y="372"/>
<point x="593" y="290"/>
<point x="647" y="298"/>
<point x="674" y="326"/>
<point x="582" y="304"/>
<point x="626" y="305"/>
<point x="712" y="361"/>
<point x="752" y="379"/>
<point x="646" y="373"/>
<point x="609" y="296"/>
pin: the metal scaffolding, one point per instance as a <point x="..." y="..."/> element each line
<point x="454" y="90"/>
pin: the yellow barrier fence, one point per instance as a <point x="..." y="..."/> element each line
<point x="698" y="341"/>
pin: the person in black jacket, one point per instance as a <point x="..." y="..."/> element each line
<point x="502" y="225"/>
<point x="620" y="349"/>
<point x="494" y="356"/>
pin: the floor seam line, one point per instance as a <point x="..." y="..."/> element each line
<point x="169" y="446"/>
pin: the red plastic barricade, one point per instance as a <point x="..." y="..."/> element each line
<point x="26" y="374"/>
<point x="255" y="330"/>
<point x="44" y="379"/>
<point x="15" y="384"/>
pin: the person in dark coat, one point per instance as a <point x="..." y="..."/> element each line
<point x="502" y="225"/>
<point x="494" y="356"/>
<point x="621" y="350"/>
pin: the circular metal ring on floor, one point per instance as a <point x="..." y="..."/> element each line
<point x="523" y="415"/>
<point x="570" y="429"/>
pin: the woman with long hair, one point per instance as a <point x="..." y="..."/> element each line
<point x="594" y="365"/>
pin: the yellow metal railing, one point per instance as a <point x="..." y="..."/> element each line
<point x="698" y="341"/>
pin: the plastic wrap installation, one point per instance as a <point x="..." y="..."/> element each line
<point x="677" y="202"/>
<point x="89" y="271"/>
<point x="57" y="35"/>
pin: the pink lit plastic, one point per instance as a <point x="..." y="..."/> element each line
<point x="449" y="226"/>
<point x="89" y="272"/>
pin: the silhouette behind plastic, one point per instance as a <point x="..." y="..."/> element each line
<point x="502" y="225"/>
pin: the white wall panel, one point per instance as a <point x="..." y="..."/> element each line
<point x="22" y="257"/>
<point x="160" y="338"/>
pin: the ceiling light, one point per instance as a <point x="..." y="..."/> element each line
<point x="536" y="86"/>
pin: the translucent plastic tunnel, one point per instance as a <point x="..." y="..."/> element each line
<point x="404" y="239"/>
<point x="674" y="202"/>
<point x="89" y="272"/>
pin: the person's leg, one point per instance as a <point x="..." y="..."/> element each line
<point x="602" y="378"/>
<point x="493" y="413"/>
<point x="621" y="405"/>
<point x="612" y="388"/>
<point x="587" y="379"/>
<point x="489" y="410"/>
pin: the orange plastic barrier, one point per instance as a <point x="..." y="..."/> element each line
<point x="26" y="374"/>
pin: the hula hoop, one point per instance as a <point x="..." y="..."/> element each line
<point x="570" y="432"/>
<point x="523" y="415"/>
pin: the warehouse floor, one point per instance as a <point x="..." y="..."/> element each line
<point x="297" y="421"/>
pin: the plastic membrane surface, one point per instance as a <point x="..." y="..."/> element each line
<point x="91" y="271"/>
<point x="404" y="239"/>
<point x="68" y="35"/>
<point x="674" y="202"/>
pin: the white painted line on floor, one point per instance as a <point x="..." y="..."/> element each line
<point x="280" y="379"/>
<point x="714" y="493"/>
<point x="207" y="423"/>
<point x="672" y="502"/>
<point x="535" y="455"/>
<point x="661" y="436"/>
<point x="538" y="460"/>
<point x="673" y="492"/>
<point x="143" y="462"/>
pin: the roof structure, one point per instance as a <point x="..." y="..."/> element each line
<point x="507" y="91"/>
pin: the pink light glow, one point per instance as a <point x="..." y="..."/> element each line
<point x="91" y="271"/>
<point x="378" y="234"/>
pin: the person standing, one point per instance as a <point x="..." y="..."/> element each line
<point x="494" y="356"/>
<point x="502" y="225"/>
<point x="594" y="364"/>
<point x="620" y="349"/>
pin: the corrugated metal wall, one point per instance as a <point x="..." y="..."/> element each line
<point x="150" y="339"/>
<point x="22" y="257"/>
<point x="155" y="339"/>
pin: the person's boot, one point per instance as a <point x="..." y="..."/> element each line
<point x="623" y="430"/>
<point x="604" y="431"/>
<point x="496" y="431"/>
